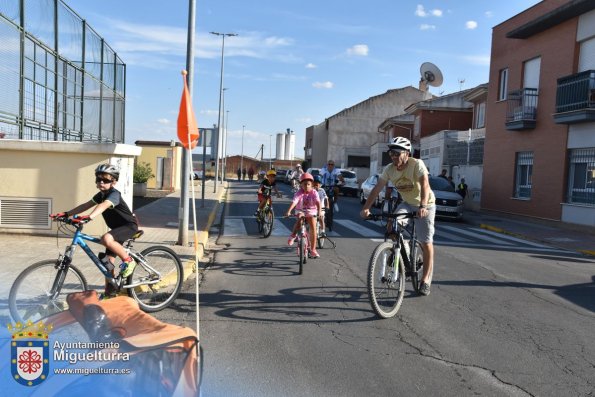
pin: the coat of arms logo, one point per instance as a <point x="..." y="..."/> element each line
<point x="29" y="351"/>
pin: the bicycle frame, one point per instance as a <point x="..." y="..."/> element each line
<point x="399" y="244"/>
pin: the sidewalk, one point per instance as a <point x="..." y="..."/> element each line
<point x="159" y="221"/>
<point x="557" y="234"/>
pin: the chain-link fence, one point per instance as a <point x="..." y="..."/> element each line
<point x="60" y="80"/>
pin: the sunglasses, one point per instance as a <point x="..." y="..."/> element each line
<point x="395" y="153"/>
<point x="331" y="164"/>
<point x="103" y="180"/>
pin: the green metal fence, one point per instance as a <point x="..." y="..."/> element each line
<point x="60" y="80"/>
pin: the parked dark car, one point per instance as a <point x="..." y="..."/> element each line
<point x="280" y="177"/>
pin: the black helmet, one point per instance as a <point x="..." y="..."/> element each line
<point x="108" y="169"/>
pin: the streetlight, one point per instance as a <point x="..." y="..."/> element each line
<point x="270" y="155"/>
<point x="220" y="100"/>
<point x="242" y="157"/>
<point x="223" y="137"/>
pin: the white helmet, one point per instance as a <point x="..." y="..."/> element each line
<point x="400" y="143"/>
<point x="108" y="169"/>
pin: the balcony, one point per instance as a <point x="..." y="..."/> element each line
<point x="575" y="98"/>
<point x="522" y="109"/>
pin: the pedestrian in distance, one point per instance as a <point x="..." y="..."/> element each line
<point x="244" y="174"/>
<point x="123" y="225"/>
<point x="250" y="173"/>
<point x="239" y="173"/>
<point x="443" y="175"/>
<point x="449" y="179"/>
<point x="410" y="177"/>
<point x="462" y="188"/>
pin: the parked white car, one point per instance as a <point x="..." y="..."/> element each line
<point x="349" y="186"/>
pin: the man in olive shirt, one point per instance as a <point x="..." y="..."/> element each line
<point x="410" y="177"/>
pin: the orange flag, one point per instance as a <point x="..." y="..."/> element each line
<point x="187" y="126"/>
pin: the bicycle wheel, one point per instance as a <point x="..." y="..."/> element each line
<point x="320" y="240"/>
<point x="260" y="223"/>
<point x="303" y="252"/>
<point x="386" y="284"/>
<point x="267" y="223"/>
<point x="167" y="268"/>
<point x="417" y="273"/>
<point x="29" y="297"/>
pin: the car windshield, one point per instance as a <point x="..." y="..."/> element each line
<point x="441" y="184"/>
<point x="314" y="172"/>
<point x="348" y="174"/>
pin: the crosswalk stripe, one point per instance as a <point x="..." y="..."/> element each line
<point x="279" y="229"/>
<point x="234" y="227"/>
<point x="357" y="228"/>
<point x="455" y="237"/>
<point x="515" y="239"/>
<point x="474" y="234"/>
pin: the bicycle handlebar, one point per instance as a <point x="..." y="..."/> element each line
<point x="402" y="215"/>
<point x="74" y="221"/>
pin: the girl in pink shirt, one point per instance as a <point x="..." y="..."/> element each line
<point x="307" y="205"/>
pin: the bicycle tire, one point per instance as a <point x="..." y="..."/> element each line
<point x="40" y="277"/>
<point x="385" y="295"/>
<point x="267" y="224"/>
<point x="417" y="271"/>
<point x="303" y="253"/>
<point x="155" y="297"/>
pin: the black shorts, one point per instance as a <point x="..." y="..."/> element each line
<point x="121" y="234"/>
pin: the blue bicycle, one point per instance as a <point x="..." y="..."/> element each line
<point x="41" y="289"/>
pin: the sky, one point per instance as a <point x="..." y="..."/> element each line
<point x="292" y="63"/>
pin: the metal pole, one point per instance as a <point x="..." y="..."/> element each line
<point x="183" y="206"/>
<point x="223" y="126"/>
<point x="270" y="156"/>
<point x="225" y="144"/>
<point x="242" y="156"/>
<point x="220" y="103"/>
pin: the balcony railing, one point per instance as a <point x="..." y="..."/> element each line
<point x="575" y="98"/>
<point x="522" y="109"/>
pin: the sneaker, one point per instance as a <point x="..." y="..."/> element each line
<point x="126" y="268"/>
<point x="291" y="239"/>
<point x="322" y="234"/>
<point x="424" y="289"/>
<point x="313" y="254"/>
<point x="105" y="296"/>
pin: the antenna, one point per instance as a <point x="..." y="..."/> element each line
<point x="430" y="75"/>
<point x="461" y="82"/>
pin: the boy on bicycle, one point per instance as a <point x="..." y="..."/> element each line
<point x="307" y="203"/>
<point x="323" y="203"/>
<point x="123" y="225"/>
<point x="264" y="190"/>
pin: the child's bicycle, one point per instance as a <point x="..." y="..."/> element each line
<point x="266" y="217"/>
<point x="392" y="262"/>
<point x="303" y="242"/>
<point x="41" y="289"/>
<point x="321" y="238"/>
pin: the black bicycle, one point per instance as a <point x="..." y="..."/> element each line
<point x="330" y="213"/>
<point x="392" y="262"/>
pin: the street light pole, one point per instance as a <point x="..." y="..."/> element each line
<point x="220" y="102"/>
<point x="242" y="156"/>
<point x="225" y="144"/>
<point x="270" y="155"/>
<point x="223" y="128"/>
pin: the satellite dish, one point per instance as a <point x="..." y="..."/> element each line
<point x="430" y="75"/>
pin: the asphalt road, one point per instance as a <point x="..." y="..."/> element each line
<point x="505" y="317"/>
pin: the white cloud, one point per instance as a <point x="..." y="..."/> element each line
<point x="489" y="14"/>
<point x="425" y="26"/>
<point x="358" y="50"/>
<point x="420" y="11"/>
<point x="326" y="84"/>
<point x="471" y="25"/>
<point x="163" y="121"/>
<point x="311" y="66"/>
<point x="208" y="112"/>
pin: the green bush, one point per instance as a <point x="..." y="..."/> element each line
<point x="142" y="173"/>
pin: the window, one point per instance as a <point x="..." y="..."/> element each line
<point x="358" y="161"/>
<point x="503" y="85"/>
<point x="480" y="115"/>
<point x="581" y="178"/>
<point x="524" y="171"/>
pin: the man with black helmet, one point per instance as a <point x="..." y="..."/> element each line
<point x="410" y="176"/>
<point x="123" y="225"/>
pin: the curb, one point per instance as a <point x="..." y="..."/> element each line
<point x="502" y="231"/>
<point x="189" y="264"/>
